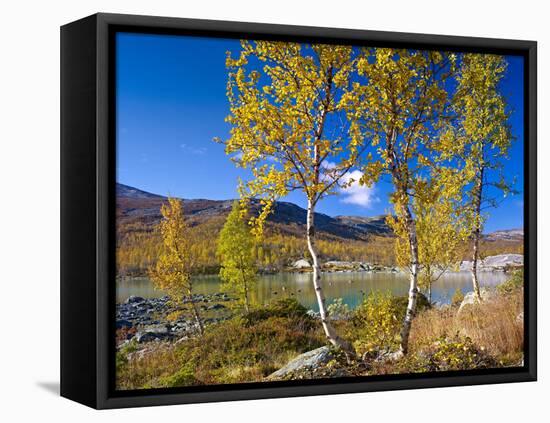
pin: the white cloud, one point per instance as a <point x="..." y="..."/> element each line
<point x="328" y="165"/>
<point x="193" y="150"/>
<point x="355" y="193"/>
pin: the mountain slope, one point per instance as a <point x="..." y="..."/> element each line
<point x="505" y="235"/>
<point x="125" y="191"/>
<point x="134" y="205"/>
<point x="347" y="238"/>
<point x="138" y="206"/>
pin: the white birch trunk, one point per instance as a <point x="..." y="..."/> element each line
<point x="196" y="313"/>
<point x="413" y="284"/>
<point x="477" y="235"/>
<point x="330" y="333"/>
<point x="475" y="259"/>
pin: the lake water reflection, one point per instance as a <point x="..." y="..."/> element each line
<point x="351" y="287"/>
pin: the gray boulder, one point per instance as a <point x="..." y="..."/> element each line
<point x="308" y="361"/>
<point x="159" y="329"/>
<point x="152" y="333"/>
<point x="301" y="264"/>
<point x="120" y="324"/>
<point x="134" y="299"/>
<point x="215" y="307"/>
<point x="142" y="337"/>
<point x="495" y="263"/>
<point x="470" y="299"/>
<point x="503" y="260"/>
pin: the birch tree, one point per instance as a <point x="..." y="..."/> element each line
<point x="403" y="101"/>
<point x="440" y="225"/>
<point x="484" y="139"/>
<point x="291" y="129"/>
<point x="172" y="270"/>
<point x="236" y="253"/>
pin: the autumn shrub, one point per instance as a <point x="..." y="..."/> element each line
<point x="185" y="376"/>
<point x="376" y="322"/>
<point x="447" y="353"/>
<point x="512" y="284"/>
<point x="338" y="309"/>
<point x="457" y="298"/>
<point x="288" y="308"/>
<point x="458" y="353"/>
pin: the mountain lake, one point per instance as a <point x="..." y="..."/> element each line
<point x="350" y="286"/>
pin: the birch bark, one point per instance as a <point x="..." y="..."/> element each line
<point x="330" y="333"/>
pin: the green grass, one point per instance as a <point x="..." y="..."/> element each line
<point x="249" y="347"/>
<point x="243" y="349"/>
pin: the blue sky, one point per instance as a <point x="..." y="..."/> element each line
<point x="171" y="103"/>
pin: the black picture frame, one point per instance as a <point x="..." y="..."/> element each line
<point x="88" y="210"/>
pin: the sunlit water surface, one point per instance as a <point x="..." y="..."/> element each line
<point x="351" y="287"/>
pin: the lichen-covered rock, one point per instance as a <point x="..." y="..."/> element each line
<point x="153" y="332"/>
<point x="470" y="298"/>
<point x="301" y="264"/>
<point x="495" y="263"/>
<point x="133" y="299"/>
<point x="308" y="362"/>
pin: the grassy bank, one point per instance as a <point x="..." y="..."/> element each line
<point x="249" y="347"/>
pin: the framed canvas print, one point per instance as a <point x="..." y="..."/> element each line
<point x="255" y="211"/>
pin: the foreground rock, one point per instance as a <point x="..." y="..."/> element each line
<point x="501" y="262"/>
<point x="153" y="332"/>
<point x="309" y="365"/>
<point x="470" y="298"/>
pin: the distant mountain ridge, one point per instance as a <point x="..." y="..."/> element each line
<point x="131" y="192"/>
<point x="506" y="235"/>
<point x="136" y="205"/>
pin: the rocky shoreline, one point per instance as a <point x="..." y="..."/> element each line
<point x="144" y="320"/>
<point x="148" y="319"/>
<point x="498" y="263"/>
<point x="339" y="266"/>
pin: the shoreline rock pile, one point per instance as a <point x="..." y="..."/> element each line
<point x="145" y="319"/>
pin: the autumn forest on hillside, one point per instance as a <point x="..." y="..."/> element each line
<point x="362" y="214"/>
<point x="139" y="244"/>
